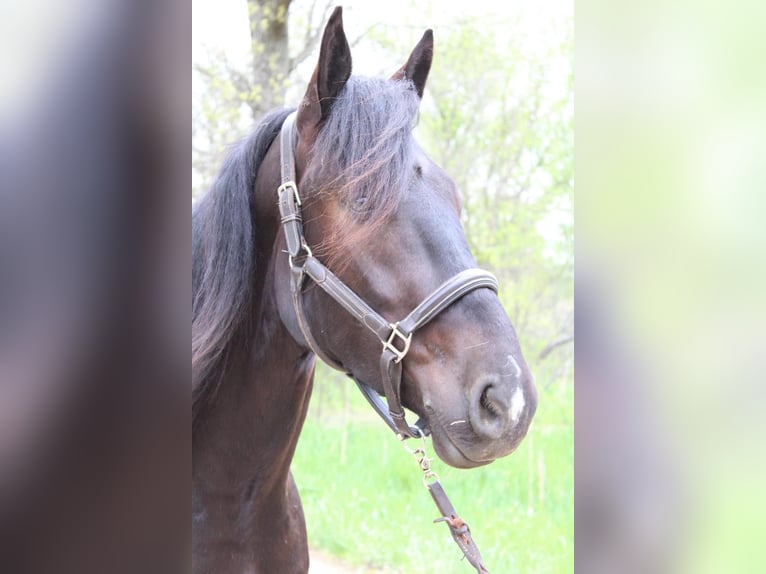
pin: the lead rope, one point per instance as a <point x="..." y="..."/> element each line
<point x="458" y="527"/>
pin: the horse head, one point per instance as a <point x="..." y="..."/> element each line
<point x="385" y="219"/>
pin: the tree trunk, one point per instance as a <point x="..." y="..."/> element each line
<point x="270" y="61"/>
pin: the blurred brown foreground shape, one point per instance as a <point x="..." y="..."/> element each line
<point x="94" y="260"/>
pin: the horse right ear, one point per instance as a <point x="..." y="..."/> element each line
<point x="418" y="64"/>
<point x="330" y="76"/>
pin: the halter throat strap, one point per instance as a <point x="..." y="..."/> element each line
<point x="395" y="337"/>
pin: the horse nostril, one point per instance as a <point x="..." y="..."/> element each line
<point x="489" y="410"/>
<point x="489" y="402"/>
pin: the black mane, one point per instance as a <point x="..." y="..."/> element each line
<point x="223" y="257"/>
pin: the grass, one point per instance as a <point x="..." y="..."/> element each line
<point x="365" y="503"/>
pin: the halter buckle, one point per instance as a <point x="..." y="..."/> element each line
<point x="291" y="187"/>
<point x="389" y="344"/>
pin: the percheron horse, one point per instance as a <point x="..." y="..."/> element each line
<point x="324" y="229"/>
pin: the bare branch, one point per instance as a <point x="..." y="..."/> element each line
<point x="363" y="35"/>
<point x="311" y="36"/>
<point x="550" y="347"/>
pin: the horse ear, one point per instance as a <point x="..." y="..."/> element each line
<point x="330" y="75"/>
<point x="419" y="63"/>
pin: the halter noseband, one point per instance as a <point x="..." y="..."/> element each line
<point x="395" y="337"/>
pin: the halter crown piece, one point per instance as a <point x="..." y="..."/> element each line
<point x="395" y="337"/>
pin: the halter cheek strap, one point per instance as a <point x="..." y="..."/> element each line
<point x="395" y="337"/>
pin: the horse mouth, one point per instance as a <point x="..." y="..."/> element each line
<point x="447" y="446"/>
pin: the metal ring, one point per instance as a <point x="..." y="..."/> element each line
<point x="306" y="248"/>
<point x="428" y="476"/>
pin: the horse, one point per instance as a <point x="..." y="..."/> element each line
<point x="324" y="228"/>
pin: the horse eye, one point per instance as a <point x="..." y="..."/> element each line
<point x="359" y="203"/>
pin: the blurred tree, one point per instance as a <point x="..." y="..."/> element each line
<point x="269" y="45"/>
<point x="232" y="96"/>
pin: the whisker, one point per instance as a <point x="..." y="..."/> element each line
<point x="453" y="423"/>
<point x="479" y="345"/>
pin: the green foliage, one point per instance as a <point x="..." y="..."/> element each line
<point x="365" y="502"/>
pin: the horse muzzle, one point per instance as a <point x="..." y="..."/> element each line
<point x="488" y="422"/>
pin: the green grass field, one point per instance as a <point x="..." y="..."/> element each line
<point x="365" y="502"/>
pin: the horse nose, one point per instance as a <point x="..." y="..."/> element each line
<point x="497" y="405"/>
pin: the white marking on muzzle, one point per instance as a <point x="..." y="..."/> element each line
<point x="517" y="404"/>
<point x="515" y="363"/>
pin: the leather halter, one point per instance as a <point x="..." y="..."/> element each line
<point x="395" y="337"/>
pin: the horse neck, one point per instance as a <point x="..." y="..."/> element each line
<point x="249" y="432"/>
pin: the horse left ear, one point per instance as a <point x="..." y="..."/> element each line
<point x="418" y="64"/>
<point x="330" y="75"/>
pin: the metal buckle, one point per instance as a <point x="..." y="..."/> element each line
<point x="389" y="344"/>
<point x="290" y="186"/>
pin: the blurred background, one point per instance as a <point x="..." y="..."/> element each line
<point x="671" y="197"/>
<point x="498" y="117"/>
<point x="94" y="270"/>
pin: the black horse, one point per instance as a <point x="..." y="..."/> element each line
<point x="371" y="206"/>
